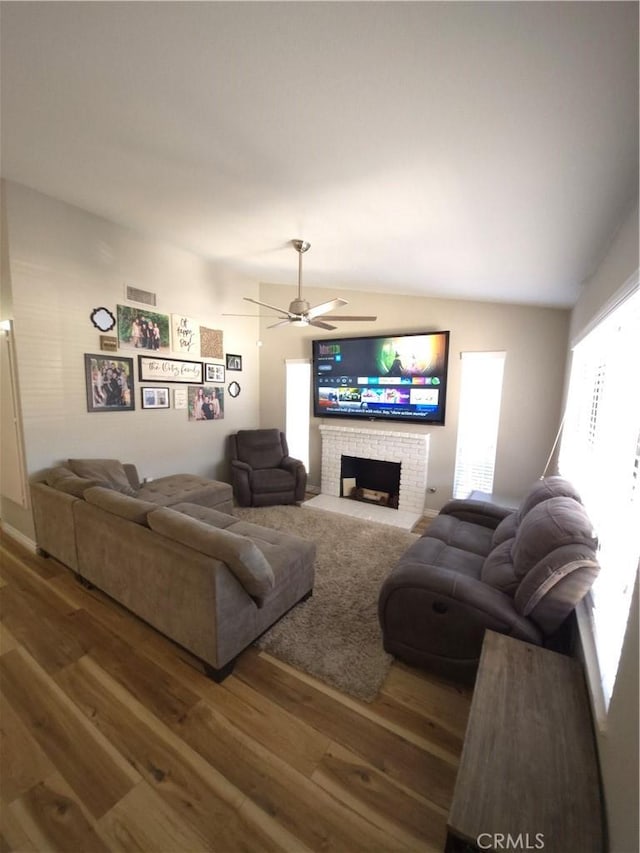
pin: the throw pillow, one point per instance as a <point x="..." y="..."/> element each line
<point x="240" y="554"/>
<point x="107" y="472"/>
<point x="123" y="506"/>
<point x="54" y="475"/>
<point x="75" y="486"/>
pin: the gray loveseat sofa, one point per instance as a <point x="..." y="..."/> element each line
<point x="206" y="580"/>
<point x="481" y="566"/>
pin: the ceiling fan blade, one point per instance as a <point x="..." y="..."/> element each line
<point x="325" y="306"/>
<point x="284" y="311"/>
<point x="341" y="318"/>
<point x="281" y="323"/>
<point x="321" y="324"/>
<point x="255" y="316"/>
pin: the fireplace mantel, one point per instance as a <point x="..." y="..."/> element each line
<point x="411" y="450"/>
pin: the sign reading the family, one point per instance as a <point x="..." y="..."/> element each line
<point x="152" y="369"/>
<point x="185" y="334"/>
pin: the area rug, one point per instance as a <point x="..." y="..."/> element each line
<point x="335" y="635"/>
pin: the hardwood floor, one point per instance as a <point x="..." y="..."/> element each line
<point x="113" y="740"/>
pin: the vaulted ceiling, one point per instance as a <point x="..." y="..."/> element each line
<point x="472" y="150"/>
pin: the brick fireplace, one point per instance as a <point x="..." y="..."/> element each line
<point x="411" y="450"/>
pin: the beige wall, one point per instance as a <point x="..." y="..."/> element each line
<point x="618" y="743"/>
<point x="535" y="340"/>
<point x="64" y="263"/>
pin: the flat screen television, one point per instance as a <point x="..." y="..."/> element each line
<point x="387" y="377"/>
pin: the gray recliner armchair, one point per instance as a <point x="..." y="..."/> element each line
<point x="262" y="472"/>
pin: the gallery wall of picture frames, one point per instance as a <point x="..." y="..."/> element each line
<point x="154" y="337"/>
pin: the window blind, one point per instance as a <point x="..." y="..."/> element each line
<point x="600" y="454"/>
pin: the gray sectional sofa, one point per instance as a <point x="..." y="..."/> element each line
<point x="481" y="566"/>
<point x="173" y="554"/>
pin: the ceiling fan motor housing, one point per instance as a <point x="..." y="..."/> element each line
<point x="299" y="306"/>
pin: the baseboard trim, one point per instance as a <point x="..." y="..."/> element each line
<point x="18" y="536"/>
<point x="431" y="513"/>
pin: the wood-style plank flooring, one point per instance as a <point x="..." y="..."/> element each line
<point x="113" y="740"/>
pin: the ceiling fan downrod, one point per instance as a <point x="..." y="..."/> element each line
<point x="301" y="246"/>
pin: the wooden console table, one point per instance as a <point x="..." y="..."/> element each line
<point x="528" y="771"/>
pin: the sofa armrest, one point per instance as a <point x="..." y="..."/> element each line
<point x="476" y="512"/>
<point x="292" y="465"/>
<point x="423" y="590"/>
<point x="241" y="482"/>
<point x="299" y="472"/>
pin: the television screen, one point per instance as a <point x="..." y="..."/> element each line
<point x="391" y="377"/>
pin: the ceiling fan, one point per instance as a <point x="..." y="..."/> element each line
<point x="300" y="312"/>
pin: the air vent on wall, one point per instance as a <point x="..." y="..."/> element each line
<point x="134" y="294"/>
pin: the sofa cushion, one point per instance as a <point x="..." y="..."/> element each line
<point x="108" y="472"/>
<point x="435" y="552"/>
<point x="241" y="555"/>
<point x="461" y="534"/>
<point x="181" y="488"/>
<point x="211" y="516"/>
<point x="573" y="565"/>
<point x="505" y="530"/>
<point x="118" y="504"/>
<point x="498" y="570"/>
<point x="542" y="490"/>
<point x="551" y="524"/>
<point x="272" y="480"/>
<point x="260" y="448"/>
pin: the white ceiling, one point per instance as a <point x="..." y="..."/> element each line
<point x="474" y="150"/>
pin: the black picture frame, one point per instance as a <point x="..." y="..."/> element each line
<point x="214" y="373"/>
<point x="155" y="397"/>
<point x="109" y="383"/>
<point x="152" y="368"/>
<point x="234" y="362"/>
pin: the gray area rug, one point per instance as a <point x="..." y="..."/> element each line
<point x="335" y="635"/>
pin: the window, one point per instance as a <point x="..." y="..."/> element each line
<point x="298" y="405"/>
<point x="478" y="417"/>
<point x="600" y="454"/>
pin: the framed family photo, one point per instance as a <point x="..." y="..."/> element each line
<point x="142" y="330"/>
<point x="214" y="373"/>
<point x="155" y="398"/>
<point x="206" y="403"/>
<point x="109" y="383"/>
<point x="234" y="362"/>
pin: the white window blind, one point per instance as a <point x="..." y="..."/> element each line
<point x="478" y="418"/>
<point x="298" y="403"/>
<point x="600" y="454"/>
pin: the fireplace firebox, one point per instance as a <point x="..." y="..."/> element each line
<point x="370" y="480"/>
